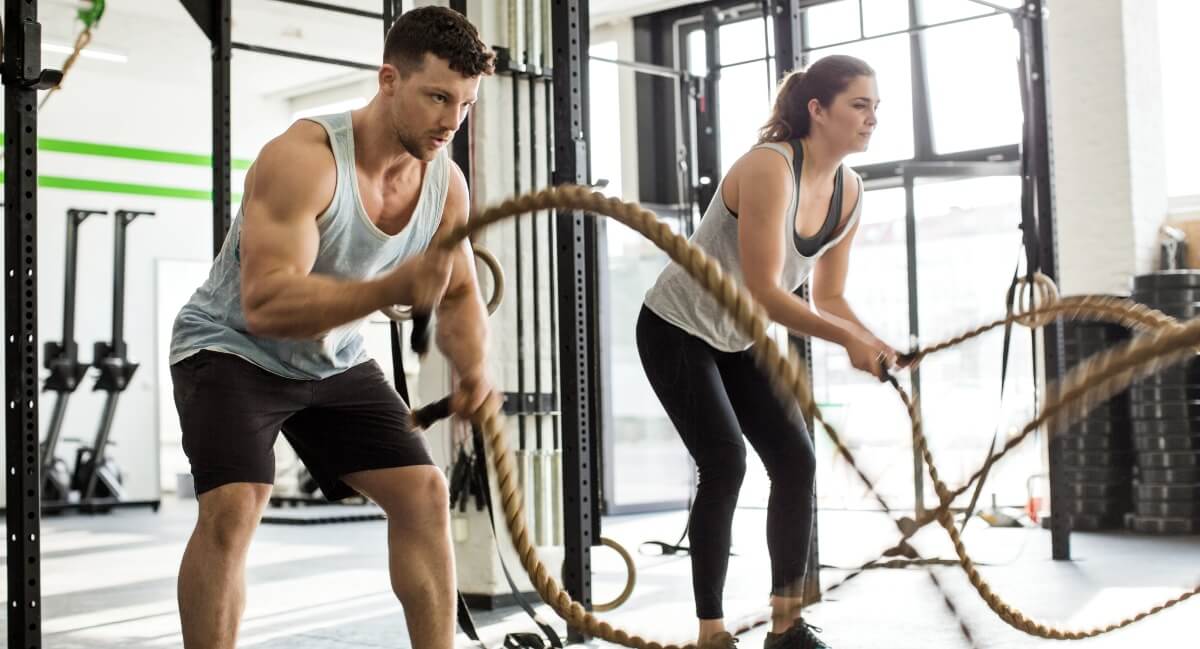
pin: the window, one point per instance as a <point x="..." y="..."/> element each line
<point x="745" y="103"/>
<point x="974" y="84"/>
<point x="1180" y="49"/>
<point x="743" y="41"/>
<point x="967" y="248"/>
<point x="604" y="137"/>
<point x="937" y="11"/>
<point x="871" y="421"/>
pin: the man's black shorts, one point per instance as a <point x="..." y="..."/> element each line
<point x="231" y="412"/>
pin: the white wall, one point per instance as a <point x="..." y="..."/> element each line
<point x="159" y="99"/>
<point x="1109" y="157"/>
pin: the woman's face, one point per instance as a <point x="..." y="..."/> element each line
<point x="849" y="120"/>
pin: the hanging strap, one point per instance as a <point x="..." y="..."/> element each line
<point x="398" y="376"/>
<point x="1008" y="326"/>
<point x="480" y="475"/>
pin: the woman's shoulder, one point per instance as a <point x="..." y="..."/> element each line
<point x="764" y="163"/>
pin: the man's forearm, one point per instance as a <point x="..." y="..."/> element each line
<point x="304" y="306"/>
<point x="462" y="332"/>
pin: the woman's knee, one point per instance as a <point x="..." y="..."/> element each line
<point x="723" y="470"/>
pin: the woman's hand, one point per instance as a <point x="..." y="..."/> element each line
<point x="870" y="355"/>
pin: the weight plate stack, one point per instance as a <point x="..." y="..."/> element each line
<point x="1165" y="414"/>
<point x="1098" y="456"/>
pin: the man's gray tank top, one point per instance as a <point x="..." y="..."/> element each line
<point x="681" y="301"/>
<point x="351" y="248"/>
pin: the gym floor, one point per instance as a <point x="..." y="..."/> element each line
<point x="109" y="582"/>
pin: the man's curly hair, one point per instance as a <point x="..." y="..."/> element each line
<point x="443" y="32"/>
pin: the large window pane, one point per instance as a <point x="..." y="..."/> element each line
<point x="835" y="22"/>
<point x="744" y="40"/>
<point x="697" y="58"/>
<point x="838" y="22"/>
<point x="936" y="11"/>
<point x="870" y="419"/>
<point x="649" y="462"/>
<point x="605" y="117"/>
<point x="745" y="96"/>
<point x="967" y="246"/>
<point x="1180" y="50"/>
<point x="974" y="90"/>
<point x="890" y="56"/>
<point x="884" y="16"/>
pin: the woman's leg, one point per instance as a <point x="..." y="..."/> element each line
<point x="683" y="372"/>
<point x="778" y="434"/>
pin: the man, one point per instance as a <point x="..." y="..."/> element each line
<point x="339" y="218"/>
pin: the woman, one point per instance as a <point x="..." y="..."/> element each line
<point x="786" y="209"/>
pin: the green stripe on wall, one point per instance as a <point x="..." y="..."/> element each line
<point x="131" y="189"/>
<point x="132" y="153"/>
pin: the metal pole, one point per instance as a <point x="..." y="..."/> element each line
<point x="222" y="39"/>
<point x="1043" y="156"/>
<point x="570" y="20"/>
<point x="302" y="56"/>
<point x="22" y="75"/>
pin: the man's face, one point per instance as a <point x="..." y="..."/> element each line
<point x="427" y="106"/>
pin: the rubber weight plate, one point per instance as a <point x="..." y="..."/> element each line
<point x="1100" y="507"/>
<point x="1100" y="490"/>
<point x="1166" y="443"/>
<point x="1179" y="310"/>
<point x="1165" y="427"/>
<point x="1100" y="443"/>
<point x="1153" y="297"/>
<point x="1169" y="279"/>
<point x="1165" y="525"/>
<point x="1167" y="476"/>
<point x="1139" y="394"/>
<point x="1097" y="474"/>
<point x="1096" y="522"/>
<point x="1179" y="509"/>
<point x="1176" y="460"/>
<point x="1097" y="458"/>
<point x="1153" y="492"/>
<point x="1177" y="374"/>
<point x="1165" y="410"/>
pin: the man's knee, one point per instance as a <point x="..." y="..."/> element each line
<point x="416" y="496"/>
<point x="429" y="497"/>
<point x="229" y="514"/>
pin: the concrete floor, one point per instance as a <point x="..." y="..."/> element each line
<point x="109" y="582"/>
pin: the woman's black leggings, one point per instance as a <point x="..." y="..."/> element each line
<point x="714" y="398"/>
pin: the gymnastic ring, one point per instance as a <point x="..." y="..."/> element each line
<point x="630" y="580"/>
<point x="401" y="313"/>
<point x="1045" y="294"/>
<point x="489" y="260"/>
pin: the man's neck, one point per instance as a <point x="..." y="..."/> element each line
<point x="377" y="149"/>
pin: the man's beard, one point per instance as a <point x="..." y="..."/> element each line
<point x="411" y="144"/>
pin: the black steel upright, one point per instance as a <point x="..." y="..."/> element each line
<point x="1039" y="158"/>
<point x="708" y="150"/>
<point x="569" y="20"/>
<point x="22" y="75"/>
<point x="391" y="11"/>
<point x="460" y="147"/>
<point x="215" y="18"/>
